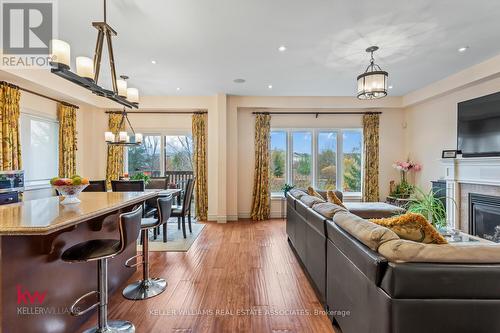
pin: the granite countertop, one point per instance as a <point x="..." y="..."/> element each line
<point x="47" y="215"/>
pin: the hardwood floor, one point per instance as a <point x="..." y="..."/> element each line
<point x="237" y="277"/>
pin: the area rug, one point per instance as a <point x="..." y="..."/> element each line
<point x="175" y="241"/>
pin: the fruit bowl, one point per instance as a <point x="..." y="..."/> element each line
<point x="69" y="188"/>
<point x="70" y="193"/>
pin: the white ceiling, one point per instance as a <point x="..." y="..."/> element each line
<point x="201" y="46"/>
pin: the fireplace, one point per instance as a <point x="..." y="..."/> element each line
<point x="484" y="216"/>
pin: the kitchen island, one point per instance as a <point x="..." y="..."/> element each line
<point x="37" y="287"/>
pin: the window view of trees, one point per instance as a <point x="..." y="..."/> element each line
<point x="334" y="167"/>
<point x="352" y="161"/>
<point x="327" y="161"/>
<point x="146" y="158"/>
<point x="277" y="176"/>
<point x="179" y="153"/>
<point x="301" y="160"/>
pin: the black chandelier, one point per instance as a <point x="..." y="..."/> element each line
<point x="87" y="70"/>
<point x="122" y="138"/>
<point x="372" y="84"/>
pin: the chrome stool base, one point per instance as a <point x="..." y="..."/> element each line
<point x="114" y="326"/>
<point x="145" y="289"/>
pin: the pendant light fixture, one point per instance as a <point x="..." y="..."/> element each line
<point x="372" y="84"/>
<point x="87" y="69"/>
<point x="123" y="138"/>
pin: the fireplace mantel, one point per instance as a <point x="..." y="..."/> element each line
<point x="474" y="170"/>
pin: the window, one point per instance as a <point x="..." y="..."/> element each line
<point x="329" y="159"/>
<point x="302" y="159"/>
<point x="179" y="153"/>
<point x="352" y="161"/>
<point x="146" y="158"/>
<point x="278" y="161"/>
<point x="40" y="149"/>
<point x="159" y="154"/>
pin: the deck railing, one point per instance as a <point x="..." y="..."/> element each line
<point x="178" y="177"/>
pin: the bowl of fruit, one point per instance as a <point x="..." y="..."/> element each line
<point x="69" y="188"/>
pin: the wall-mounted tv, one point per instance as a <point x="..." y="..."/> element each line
<point x="479" y="126"/>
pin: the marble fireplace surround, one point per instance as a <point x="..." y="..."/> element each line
<point x="468" y="175"/>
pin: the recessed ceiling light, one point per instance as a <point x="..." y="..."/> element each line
<point x="463" y="49"/>
<point x="390" y="87"/>
<point x="270" y="86"/>
<point x="282" y="48"/>
<point x="178" y="89"/>
<point x="153" y="62"/>
<point x="239" y="80"/>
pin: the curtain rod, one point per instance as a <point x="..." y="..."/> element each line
<point x="159" y="112"/>
<point x="38" y="94"/>
<point x="319" y="113"/>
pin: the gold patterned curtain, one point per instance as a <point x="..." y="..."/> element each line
<point x="10" y="148"/>
<point x="199" y="131"/>
<point x="260" y="198"/>
<point x="67" y="140"/>
<point x="371" y="150"/>
<point x="114" y="168"/>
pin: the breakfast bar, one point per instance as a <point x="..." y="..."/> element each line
<point x="37" y="286"/>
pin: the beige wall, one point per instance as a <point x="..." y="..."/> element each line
<point x="432" y="127"/>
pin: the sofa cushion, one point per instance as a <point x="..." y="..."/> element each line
<point x="314" y="193"/>
<point x="441" y="281"/>
<point x="414" y="227"/>
<point x="373" y="210"/>
<point x="296" y="193"/>
<point x="332" y="197"/>
<point x="310" y="200"/>
<point x="402" y="250"/>
<point x="328" y="209"/>
<point x="368" y="233"/>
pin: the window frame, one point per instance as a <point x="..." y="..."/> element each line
<point x="162" y="134"/>
<point x="25" y="113"/>
<point x="314" y="151"/>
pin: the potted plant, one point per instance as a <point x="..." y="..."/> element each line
<point x="141" y="176"/>
<point x="404" y="189"/>
<point x="430" y="206"/>
<point x="287" y="187"/>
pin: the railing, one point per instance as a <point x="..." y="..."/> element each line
<point x="178" y="177"/>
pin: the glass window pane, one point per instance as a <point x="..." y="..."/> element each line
<point x="327" y="161"/>
<point x="146" y="157"/>
<point x="178" y="153"/>
<point x="352" y="142"/>
<point x="277" y="177"/>
<point x="302" y="162"/>
<point x="39" y="142"/>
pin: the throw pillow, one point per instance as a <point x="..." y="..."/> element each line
<point x="414" y="227"/>
<point x="313" y="192"/>
<point x="332" y="197"/>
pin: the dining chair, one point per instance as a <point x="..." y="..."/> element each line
<point x="96" y="186"/>
<point x="185" y="209"/>
<point x="127" y="185"/>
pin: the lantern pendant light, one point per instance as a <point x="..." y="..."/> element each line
<point x="373" y="83"/>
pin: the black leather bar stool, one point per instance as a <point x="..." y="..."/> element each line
<point x="101" y="250"/>
<point x="148" y="287"/>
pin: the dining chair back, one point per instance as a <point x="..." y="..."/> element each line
<point x="127" y="185"/>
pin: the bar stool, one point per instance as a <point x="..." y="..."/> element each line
<point x="148" y="287"/>
<point x="101" y="250"/>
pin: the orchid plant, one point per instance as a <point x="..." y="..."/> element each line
<point x="404" y="189"/>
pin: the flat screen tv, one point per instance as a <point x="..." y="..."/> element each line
<point x="479" y="126"/>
